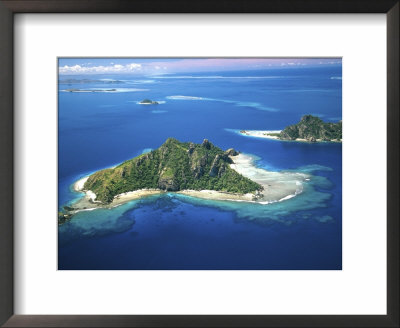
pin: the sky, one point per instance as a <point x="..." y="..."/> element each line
<point x="158" y="66"/>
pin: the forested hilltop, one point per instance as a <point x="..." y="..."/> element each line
<point x="174" y="166"/>
<point x="312" y="128"/>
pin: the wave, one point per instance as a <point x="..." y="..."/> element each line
<point x="159" y="111"/>
<point x="336" y="77"/>
<point x="287" y="197"/>
<point x="186" y="98"/>
<point x="237" y="103"/>
<point x="140" y="81"/>
<point x="85" y="210"/>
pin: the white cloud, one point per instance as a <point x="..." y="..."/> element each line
<point x="133" y="67"/>
<point x="116" y="68"/>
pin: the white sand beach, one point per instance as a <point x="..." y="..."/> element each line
<point x="271" y="134"/>
<point x="78" y="185"/>
<point x="89" y="201"/>
<point x="219" y="195"/>
<point x="278" y="186"/>
<point x="131" y="195"/>
<point x="268" y="134"/>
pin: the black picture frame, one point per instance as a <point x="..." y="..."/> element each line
<point x="10" y="7"/>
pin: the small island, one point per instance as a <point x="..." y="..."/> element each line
<point x="309" y="129"/>
<point x="148" y="102"/>
<point x="198" y="170"/>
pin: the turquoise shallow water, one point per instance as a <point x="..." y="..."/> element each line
<point x="98" y="130"/>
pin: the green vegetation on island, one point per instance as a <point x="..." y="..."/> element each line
<point x="312" y="129"/>
<point x="273" y="134"/>
<point x="174" y="166"/>
<point x="148" y="102"/>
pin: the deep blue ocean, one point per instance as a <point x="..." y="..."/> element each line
<point x="100" y="129"/>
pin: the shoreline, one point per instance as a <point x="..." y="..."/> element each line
<point x="88" y="202"/>
<point x="268" y="134"/>
<point x="278" y="186"/>
<point x="219" y="195"/>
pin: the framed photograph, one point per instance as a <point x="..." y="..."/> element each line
<point x="201" y="180"/>
<point x="218" y="164"/>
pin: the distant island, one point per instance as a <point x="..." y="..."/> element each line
<point x="88" y="81"/>
<point x="198" y="170"/>
<point x="148" y="102"/>
<point x="89" y="90"/>
<point x="309" y="129"/>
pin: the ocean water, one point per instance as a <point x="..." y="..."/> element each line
<point x="100" y="129"/>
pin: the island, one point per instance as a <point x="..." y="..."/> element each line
<point x="175" y="166"/>
<point x="148" y="102"/>
<point x="89" y="90"/>
<point x="197" y="170"/>
<point x="309" y="129"/>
